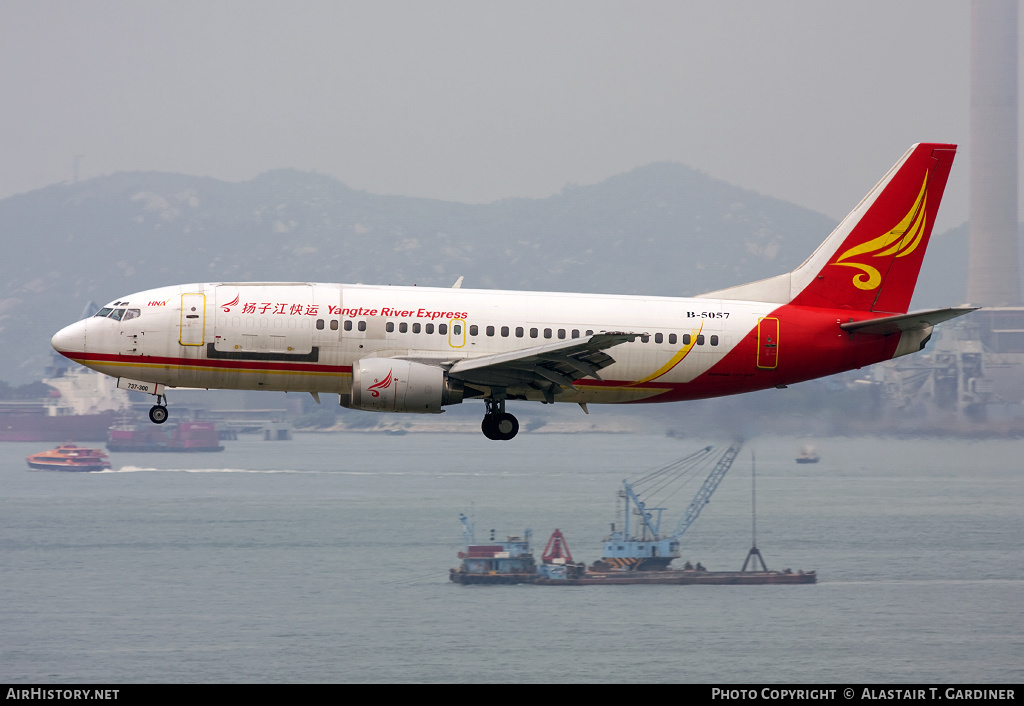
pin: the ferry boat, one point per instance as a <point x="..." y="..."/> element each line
<point x="68" y="457"/>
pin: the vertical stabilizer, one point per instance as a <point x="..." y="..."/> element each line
<point x="870" y="262"/>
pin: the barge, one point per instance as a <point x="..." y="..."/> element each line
<point x="512" y="562"/>
<point x="674" y="577"/>
<point x="639" y="551"/>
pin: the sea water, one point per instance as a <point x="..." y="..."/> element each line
<point x="325" y="559"/>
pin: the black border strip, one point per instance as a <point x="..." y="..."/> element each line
<point x="312" y="357"/>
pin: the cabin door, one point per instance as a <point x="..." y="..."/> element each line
<point x="767" y="343"/>
<point x="193" y="319"/>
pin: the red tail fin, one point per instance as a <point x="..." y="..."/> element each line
<point x="874" y="256"/>
<point x="870" y="262"/>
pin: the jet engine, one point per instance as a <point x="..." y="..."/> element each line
<point x="390" y="385"/>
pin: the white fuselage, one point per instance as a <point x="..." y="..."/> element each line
<point x="306" y="337"/>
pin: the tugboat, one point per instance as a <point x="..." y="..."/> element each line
<point x="506" y="562"/>
<point x="68" y="457"/>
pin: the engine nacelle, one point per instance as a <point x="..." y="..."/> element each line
<point x="389" y="385"/>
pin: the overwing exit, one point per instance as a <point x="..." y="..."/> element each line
<point x="419" y="349"/>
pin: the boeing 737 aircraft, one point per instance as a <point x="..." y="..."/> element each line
<point x="417" y="349"/>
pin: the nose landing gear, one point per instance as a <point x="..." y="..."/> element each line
<point x="498" y="425"/>
<point x="158" y="412"/>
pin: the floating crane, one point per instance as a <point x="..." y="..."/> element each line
<point x="644" y="547"/>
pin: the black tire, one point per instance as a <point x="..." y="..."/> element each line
<point x="488" y="427"/>
<point x="506" y="426"/>
<point x="158" y="414"/>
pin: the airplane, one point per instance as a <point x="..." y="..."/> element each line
<point x="419" y="349"/>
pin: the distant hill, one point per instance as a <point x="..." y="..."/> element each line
<point x="663" y="229"/>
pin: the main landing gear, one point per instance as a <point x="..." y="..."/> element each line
<point x="158" y="412"/>
<point x="498" y="425"/>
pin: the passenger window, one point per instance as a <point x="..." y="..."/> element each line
<point x="533" y="333"/>
<point x="659" y="338"/>
<point x="686" y="339"/>
<point x="415" y="328"/>
<point x="429" y="328"/>
<point x="490" y="330"/>
<point x="519" y="332"/>
<point x="390" y="327"/>
<point x="561" y="333"/>
<point x="575" y="333"/>
<point x="362" y="325"/>
<point x="589" y="332"/>
<point x="334" y="324"/>
<point x="348" y="324"/>
<point x="474" y="330"/>
<point x="504" y="331"/>
<point x="319" y="324"/>
<point x="442" y="329"/>
<point x="700" y="339"/>
<point x="672" y="338"/>
<point x="403" y="327"/>
<point x="547" y="333"/>
<point x="645" y="338"/>
<point x="714" y="340"/>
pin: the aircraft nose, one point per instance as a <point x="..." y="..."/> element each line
<point x="70" y="339"/>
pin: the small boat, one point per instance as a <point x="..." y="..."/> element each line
<point x="68" y="457"/>
<point x="808" y="455"/>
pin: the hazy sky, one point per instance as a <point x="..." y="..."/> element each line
<point x="809" y="101"/>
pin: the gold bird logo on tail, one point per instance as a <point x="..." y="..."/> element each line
<point x="902" y="240"/>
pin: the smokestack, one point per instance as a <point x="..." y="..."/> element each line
<point x="993" y="276"/>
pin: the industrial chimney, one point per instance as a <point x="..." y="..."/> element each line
<point x="993" y="275"/>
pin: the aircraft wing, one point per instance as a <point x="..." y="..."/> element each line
<point x="906" y="322"/>
<point x="543" y="366"/>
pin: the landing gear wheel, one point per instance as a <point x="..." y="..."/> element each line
<point x="158" y="414"/>
<point x="498" y="425"/>
<point x="506" y="426"/>
<point x="488" y="427"/>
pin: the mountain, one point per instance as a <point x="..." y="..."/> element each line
<point x="662" y="229"/>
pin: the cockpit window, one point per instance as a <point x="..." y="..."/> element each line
<point x="116" y="314"/>
<point x="103" y="313"/>
<point x="131" y="314"/>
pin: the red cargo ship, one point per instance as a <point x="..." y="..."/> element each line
<point x="185" y="436"/>
<point x="81" y="407"/>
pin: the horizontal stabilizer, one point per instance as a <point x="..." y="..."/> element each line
<point x="906" y="322"/>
